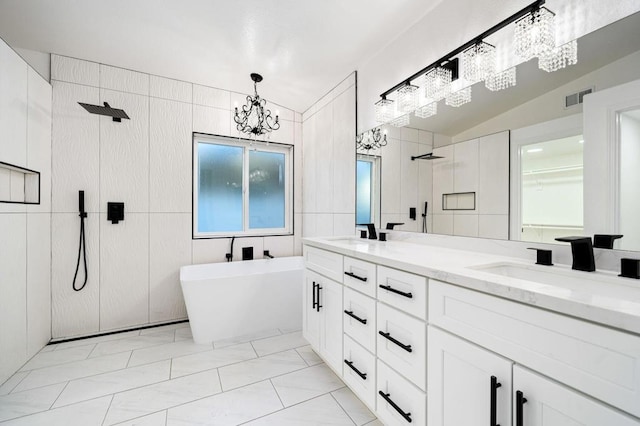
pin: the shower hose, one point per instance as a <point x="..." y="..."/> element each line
<point x="82" y="250"/>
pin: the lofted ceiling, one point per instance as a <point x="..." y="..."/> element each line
<point x="302" y="48"/>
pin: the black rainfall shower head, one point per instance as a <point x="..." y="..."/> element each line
<point x="428" y="156"/>
<point x="116" y="114"/>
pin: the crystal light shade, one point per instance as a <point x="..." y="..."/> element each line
<point x="478" y="62"/>
<point x="535" y="34"/>
<point x="437" y="83"/>
<point x="407" y="98"/>
<point x="427" y="110"/>
<point x="501" y="80"/>
<point x="384" y="110"/>
<point x="401" y="121"/>
<point x="560" y="57"/>
<point x="460" y="97"/>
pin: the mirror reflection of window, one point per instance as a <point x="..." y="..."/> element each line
<point x="367" y="189"/>
<point x="629" y="131"/>
<point x="552" y="189"/>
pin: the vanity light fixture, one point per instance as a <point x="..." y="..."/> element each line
<point x="428" y="110"/>
<point x="479" y="62"/>
<point x="459" y="97"/>
<point x="559" y="57"/>
<point x="372" y="139"/>
<point x="253" y="118"/>
<point x="384" y="110"/>
<point x="437" y="83"/>
<point x="400" y="121"/>
<point x="407" y="98"/>
<point x="501" y="80"/>
<point x="535" y="34"/>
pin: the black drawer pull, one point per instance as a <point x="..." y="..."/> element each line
<point x="520" y="401"/>
<point x="313" y="296"/>
<point x="393" y="290"/>
<point x="386" y="396"/>
<point x="362" y="375"/>
<point x="494" y="390"/>
<point x="355" y="317"/>
<point x="352" y="275"/>
<point x="402" y="345"/>
<point x="318" y="305"/>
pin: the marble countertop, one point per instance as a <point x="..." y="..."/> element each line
<point x="609" y="300"/>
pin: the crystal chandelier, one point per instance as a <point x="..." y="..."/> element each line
<point x="384" y="110"/>
<point x="372" y="139"/>
<point x="254" y="119"/>
<point x="437" y="83"/>
<point x="428" y="110"/>
<point x="459" y="98"/>
<point x="400" y="121"/>
<point x="560" y="57"/>
<point x="535" y="34"/>
<point x="501" y="80"/>
<point x="478" y="62"/>
<point x="407" y="98"/>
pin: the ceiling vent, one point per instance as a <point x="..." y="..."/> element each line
<point x="576" y="98"/>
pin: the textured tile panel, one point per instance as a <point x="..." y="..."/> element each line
<point x="124" y="80"/>
<point x="167" y="88"/>
<point x="213" y="121"/>
<point x="170" y="248"/>
<point x="344" y="153"/>
<point x="124" y="271"/>
<point x="74" y="70"/>
<point x="124" y="153"/>
<point x="212" y="97"/>
<point x="170" y="145"/>
<point x="13" y="104"/>
<point x="279" y="246"/>
<point x="39" y="137"/>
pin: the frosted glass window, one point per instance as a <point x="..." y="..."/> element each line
<point x="241" y="187"/>
<point x="266" y="190"/>
<point x="364" y="170"/>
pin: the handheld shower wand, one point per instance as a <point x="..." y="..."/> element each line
<point x="82" y="249"/>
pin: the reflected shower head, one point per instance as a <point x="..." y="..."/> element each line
<point x="428" y="156"/>
<point x="116" y="114"/>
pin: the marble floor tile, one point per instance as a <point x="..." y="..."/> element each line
<point x="309" y="356"/>
<point x="88" y="413"/>
<point x="153" y="330"/>
<point x="12" y="382"/>
<point x="256" y="370"/>
<point x="376" y="422"/>
<point x="215" y="358"/>
<point x="245" y="338"/>
<point x="354" y="408"/>
<point x="28" y="402"/>
<point x="47" y="348"/>
<point x="323" y="410"/>
<point x="228" y="408"/>
<point x="47" y="359"/>
<point x="280" y="343"/>
<point x="131" y="343"/>
<point x="166" y="351"/>
<point x="305" y="384"/>
<point x="183" y="334"/>
<point x="93" y="340"/>
<point x="114" y="382"/>
<point x="155" y="419"/>
<point x="73" y="370"/>
<point x="160" y="396"/>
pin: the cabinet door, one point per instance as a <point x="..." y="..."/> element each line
<point x="331" y="323"/>
<point x="538" y="401"/>
<point x="462" y="383"/>
<point x="310" y="314"/>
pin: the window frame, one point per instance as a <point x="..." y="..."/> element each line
<point x="375" y="188"/>
<point x="247" y="145"/>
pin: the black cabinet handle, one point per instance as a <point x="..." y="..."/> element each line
<point x="352" y="275"/>
<point x="313" y="296"/>
<point x="355" y="317"/>
<point x="386" y="396"/>
<point x="402" y="345"/>
<point x="318" y="305"/>
<point x="520" y="401"/>
<point x="393" y="290"/>
<point x="362" y="375"/>
<point x="494" y="391"/>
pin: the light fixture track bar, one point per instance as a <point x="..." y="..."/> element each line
<point x="528" y="9"/>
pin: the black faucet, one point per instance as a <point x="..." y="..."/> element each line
<point x="372" y="230"/>
<point x="582" y="253"/>
<point x="266" y="253"/>
<point x="605" y="241"/>
<point x="390" y="225"/>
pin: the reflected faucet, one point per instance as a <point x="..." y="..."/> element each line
<point x="390" y="225"/>
<point x="372" y="230"/>
<point x="582" y="253"/>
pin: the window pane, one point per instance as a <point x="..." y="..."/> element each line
<point x="266" y="190"/>
<point x="219" y="188"/>
<point x="363" y="191"/>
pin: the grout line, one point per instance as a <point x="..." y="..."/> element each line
<point x="129" y="360"/>
<point x="340" y="405"/>
<point x="277" y="394"/>
<point x="58" y="397"/>
<point x="108" y="408"/>
<point x="171" y="369"/>
<point x="17" y="384"/>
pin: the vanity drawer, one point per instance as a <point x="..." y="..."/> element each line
<point x="324" y="262"/>
<point x="596" y="360"/>
<point x="403" y="290"/>
<point x="404" y="343"/>
<point x="360" y="275"/>
<point x="405" y="396"/>
<point x="364" y="308"/>
<point x="362" y="381"/>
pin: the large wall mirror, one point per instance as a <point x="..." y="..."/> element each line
<point x="556" y="155"/>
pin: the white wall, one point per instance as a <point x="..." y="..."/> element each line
<point x="629" y="181"/>
<point x="329" y="163"/>
<point x="145" y="162"/>
<point x="445" y="28"/>
<point x="25" y="141"/>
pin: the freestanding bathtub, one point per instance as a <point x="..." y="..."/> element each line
<point x="233" y="299"/>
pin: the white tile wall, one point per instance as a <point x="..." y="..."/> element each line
<point x="443" y="224"/>
<point x="323" y="160"/>
<point x="75" y="71"/>
<point x="13" y="104"/>
<point x="493" y="175"/>
<point x="209" y="96"/>
<point x="38" y="281"/>
<point x="123" y="80"/>
<point x="344" y="156"/>
<point x="211" y="120"/>
<point x="493" y="226"/>
<point x="465" y="225"/>
<point x="442" y="178"/>
<point x="278" y="246"/>
<point x="166" y="88"/>
<point x="409" y="175"/>
<point x="391" y="176"/>
<point x="210" y="250"/>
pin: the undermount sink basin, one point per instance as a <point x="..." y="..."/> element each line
<point x="596" y="283"/>
<point x="352" y="241"/>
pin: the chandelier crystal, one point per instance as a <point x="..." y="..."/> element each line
<point x="560" y="57"/>
<point x="428" y="110"/>
<point x="384" y="110"/>
<point x="407" y="98"/>
<point x="372" y="139"/>
<point x="437" y="83"/>
<point x="501" y="80"/>
<point x="400" y="121"/>
<point x="254" y="119"/>
<point x="459" y="98"/>
<point x="535" y="34"/>
<point x="478" y="62"/>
